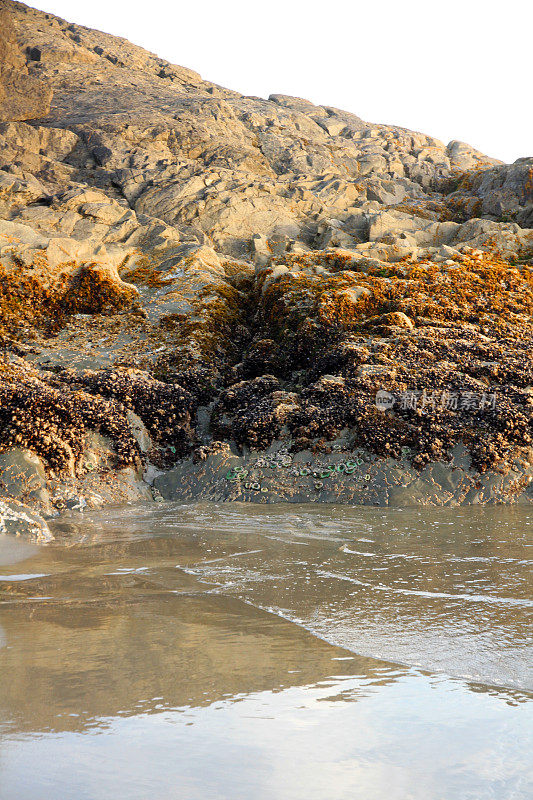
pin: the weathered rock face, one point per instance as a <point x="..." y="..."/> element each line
<point x="227" y="271"/>
<point x="22" y="95"/>
<point x="501" y="193"/>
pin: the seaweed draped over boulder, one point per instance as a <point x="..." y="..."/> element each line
<point x="39" y="297"/>
<point x="346" y="291"/>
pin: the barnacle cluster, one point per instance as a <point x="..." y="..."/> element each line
<point x="165" y="408"/>
<point x="462" y="328"/>
<point x="302" y="358"/>
<point x="53" y="420"/>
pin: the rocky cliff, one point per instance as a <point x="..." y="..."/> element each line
<point x="191" y="279"/>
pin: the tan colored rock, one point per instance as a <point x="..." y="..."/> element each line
<point x="395" y="318"/>
<point x="22" y="95"/>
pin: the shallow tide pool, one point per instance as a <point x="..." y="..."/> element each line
<point x="238" y="651"/>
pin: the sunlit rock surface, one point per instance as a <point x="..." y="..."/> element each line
<point x="247" y="274"/>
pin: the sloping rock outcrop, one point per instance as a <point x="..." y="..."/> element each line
<point x="189" y="276"/>
<point x="22" y="94"/>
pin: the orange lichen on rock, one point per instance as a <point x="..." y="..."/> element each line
<point x="44" y="298"/>
<point x="478" y="287"/>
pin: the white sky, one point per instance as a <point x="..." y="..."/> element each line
<point x="460" y="69"/>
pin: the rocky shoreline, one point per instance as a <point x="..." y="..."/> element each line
<point x="357" y="478"/>
<point x="192" y="281"/>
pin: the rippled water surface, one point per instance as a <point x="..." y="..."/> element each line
<point x="247" y="652"/>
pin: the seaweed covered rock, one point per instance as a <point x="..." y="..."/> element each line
<point x="36" y="292"/>
<point x="448" y="343"/>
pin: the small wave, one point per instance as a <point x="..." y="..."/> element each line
<point x="471" y="598"/>
<point x="231" y="555"/>
<point x="357" y="552"/>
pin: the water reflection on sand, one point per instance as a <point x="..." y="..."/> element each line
<point x="192" y="652"/>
